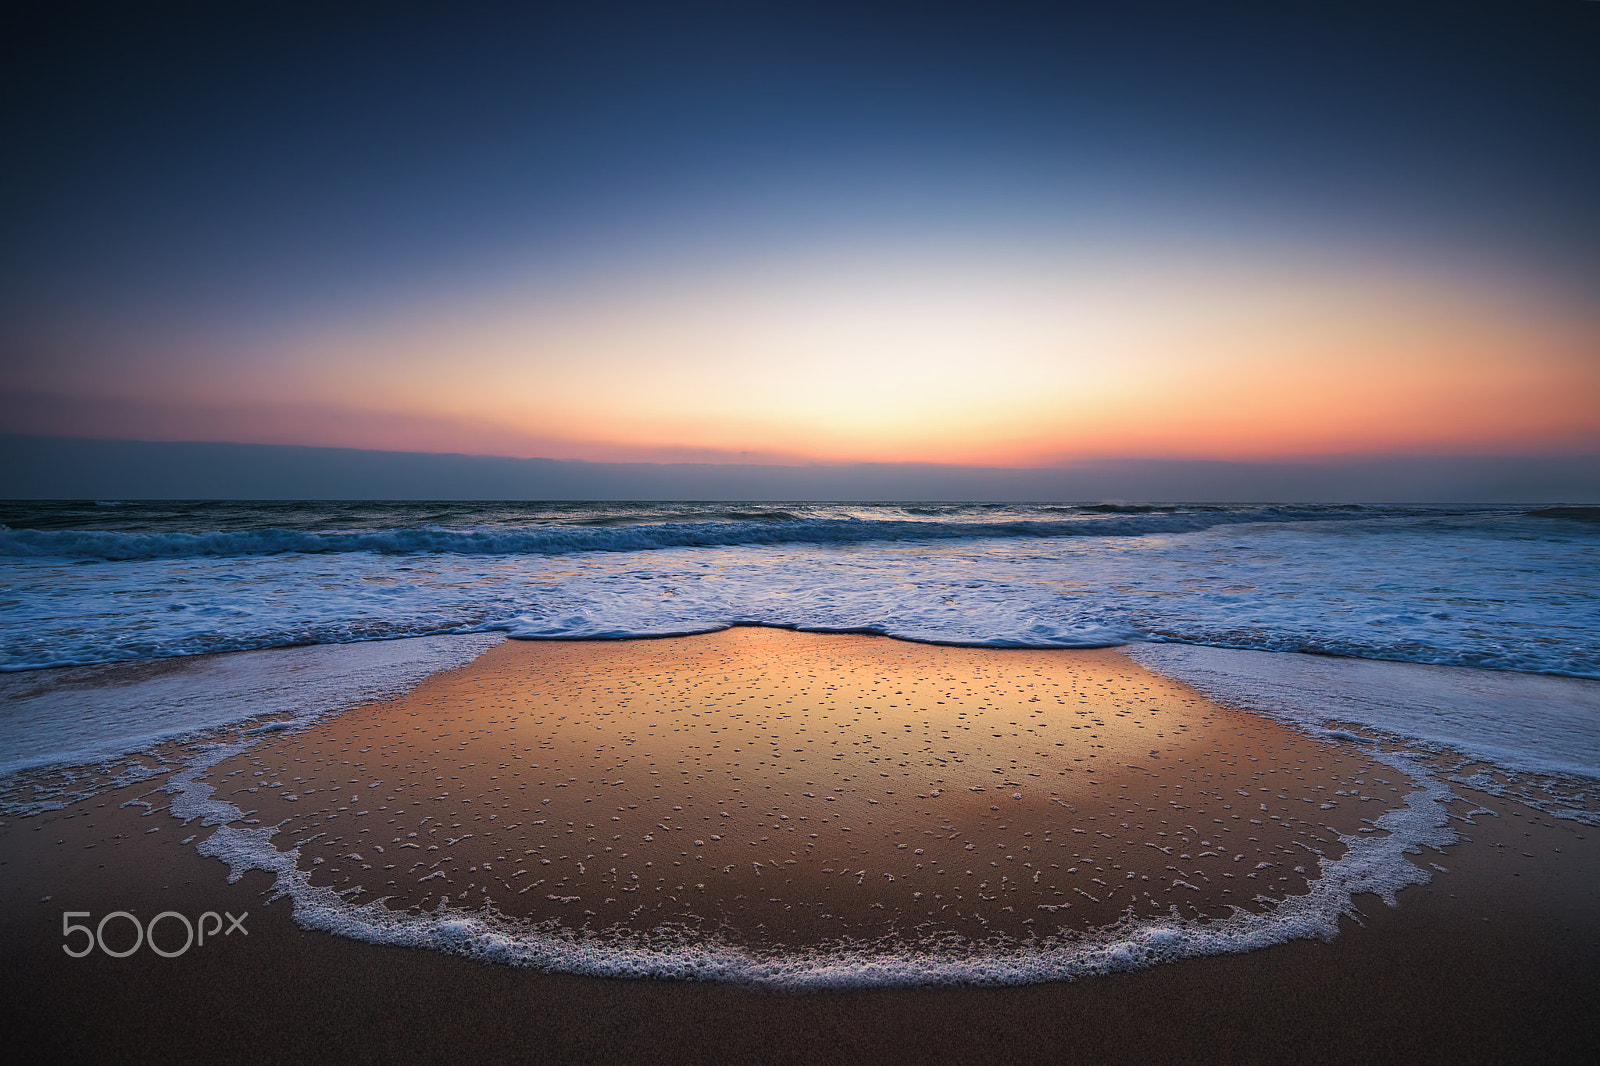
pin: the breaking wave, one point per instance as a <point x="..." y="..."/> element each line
<point x="622" y="534"/>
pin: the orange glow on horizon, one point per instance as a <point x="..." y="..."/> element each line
<point x="1023" y="362"/>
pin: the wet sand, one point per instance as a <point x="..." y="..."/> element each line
<point x="788" y="789"/>
<point x="1103" y="787"/>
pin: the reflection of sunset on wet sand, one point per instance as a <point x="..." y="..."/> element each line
<point x="800" y="788"/>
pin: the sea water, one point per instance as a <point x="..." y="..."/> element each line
<point x="1507" y="591"/>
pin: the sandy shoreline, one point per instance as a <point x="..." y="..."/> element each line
<point x="802" y="789"/>
<point x="1499" y="957"/>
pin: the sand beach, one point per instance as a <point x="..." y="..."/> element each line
<point x="760" y="844"/>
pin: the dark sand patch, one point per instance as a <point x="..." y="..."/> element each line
<point x="1498" y="960"/>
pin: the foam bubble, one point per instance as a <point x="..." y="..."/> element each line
<point x="1375" y="864"/>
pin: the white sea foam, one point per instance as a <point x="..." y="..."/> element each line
<point x="1518" y="721"/>
<point x="326" y="678"/>
<point x="1508" y="593"/>
<point x="87" y="715"/>
<point x="1376" y="864"/>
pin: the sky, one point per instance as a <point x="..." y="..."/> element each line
<point x="973" y="235"/>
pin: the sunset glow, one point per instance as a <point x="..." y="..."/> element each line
<point x="721" y="262"/>
<point x="1037" y="361"/>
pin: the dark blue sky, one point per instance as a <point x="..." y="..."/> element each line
<point x="259" y="154"/>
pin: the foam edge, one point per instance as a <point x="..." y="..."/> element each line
<point x="1375" y="865"/>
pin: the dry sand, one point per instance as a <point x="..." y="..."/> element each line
<point x="819" y="788"/>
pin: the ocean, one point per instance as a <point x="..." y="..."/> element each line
<point x="1511" y="594"/>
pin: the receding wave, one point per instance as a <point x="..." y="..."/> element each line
<point x="1377" y="864"/>
<point x="777" y="528"/>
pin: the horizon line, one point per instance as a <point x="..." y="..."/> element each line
<point x="82" y="468"/>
